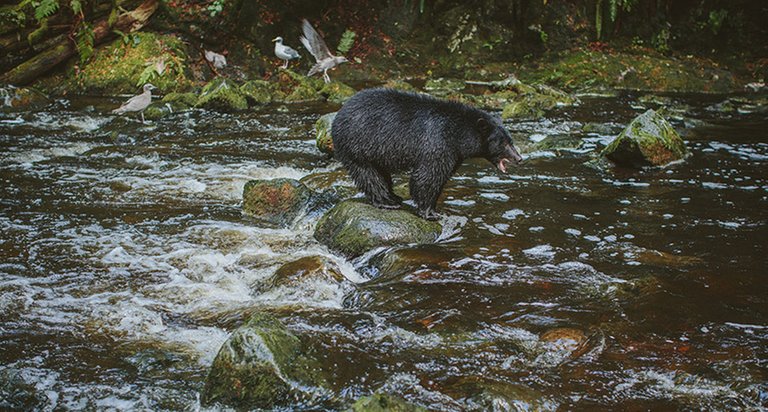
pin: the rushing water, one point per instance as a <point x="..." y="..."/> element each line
<point x="126" y="262"/>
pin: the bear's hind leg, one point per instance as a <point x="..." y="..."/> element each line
<point x="426" y="184"/>
<point x="377" y="186"/>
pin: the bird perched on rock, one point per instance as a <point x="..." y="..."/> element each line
<point x="137" y="103"/>
<point x="284" y="52"/>
<point x="218" y="61"/>
<point x="315" y="44"/>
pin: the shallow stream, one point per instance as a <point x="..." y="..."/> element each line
<point x="125" y="262"/>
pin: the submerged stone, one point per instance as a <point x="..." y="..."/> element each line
<point x="276" y="201"/>
<point x="306" y="269"/>
<point x="352" y="228"/>
<point x="649" y="140"/>
<point x="323" y="131"/>
<point x="527" y="102"/>
<point x="222" y="94"/>
<point x="262" y="365"/>
<point x="383" y="402"/>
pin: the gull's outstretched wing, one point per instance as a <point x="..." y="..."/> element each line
<point x="313" y="42"/>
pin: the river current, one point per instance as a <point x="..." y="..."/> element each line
<point x="125" y="262"/>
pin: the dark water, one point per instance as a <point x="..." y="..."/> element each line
<point x="126" y="263"/>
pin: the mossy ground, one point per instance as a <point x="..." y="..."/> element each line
<point x="121" y="67"/>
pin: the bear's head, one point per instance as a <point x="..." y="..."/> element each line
<point x="499" y="148"/>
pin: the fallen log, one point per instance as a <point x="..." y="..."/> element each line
<point x="41" y="63"/>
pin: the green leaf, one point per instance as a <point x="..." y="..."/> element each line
<point x="84" y="42"/>
<point x="45" y="9"/>
<point x="77" y="6"/>
<point x="346" y="42"/>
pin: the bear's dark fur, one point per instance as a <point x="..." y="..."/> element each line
<point x="382" y="131"/>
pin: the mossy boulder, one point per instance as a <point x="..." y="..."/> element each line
<point x="180" y="101"/>
<point x="649" y="140"/>
<point x="399" y="85"/>
<point x="260" y="91"/>
<point x="323" y="132"/>
<point x="443" y="87"/>
<point x="353" y="228"/>
<point x="22" y="98"/>
<point x="262" y="365"/>
<point x="559" y="142"/>
<point x="276" y="201"/>
<point x="337" y="92"/>
<point x="383" y="402"/>
<point x="121" y="67"/>
<point x="527" y="102"/>
<point x="221" y="94"/>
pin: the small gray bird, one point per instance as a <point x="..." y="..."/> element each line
<point x="284" y="52"/>
<point x="137" y="103"/>
<point x="315" y="44"/>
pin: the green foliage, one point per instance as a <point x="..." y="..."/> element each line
<point x="216" y="7"/>
<point x="661" y="39"/>
<point x="38" y="33"/>
<point x="716" y="19"/>
<point x="346" y="42"/>
<point x="84" y="41"/>
<point x="613" y="12"/>
<point x="45" y="9"/>
<point x="76" y="6"/>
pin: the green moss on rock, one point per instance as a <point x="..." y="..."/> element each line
<point x="649" y="140"/>
<point x="352" y="228"/>
<point x="119" y="67"/>
<point x="399" y="85"/>
<point x="323" y="132"/>
<point x="383" y="402"/>
<point x="221" y="94"/>
<point x="276" y="201"/>
<point x="259" y="366"/>
<point x="337" y="92"/>
<point x="21" y="98"/>
<point x="259" y="91"/>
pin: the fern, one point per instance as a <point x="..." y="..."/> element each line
<point x="76" y="6"/>
<point x="84" y="41"/>
<point x="599" y="18"/>
<point x="146" y="75"/>
<point x="346" y="42"/>
<point x="45" y="9"/>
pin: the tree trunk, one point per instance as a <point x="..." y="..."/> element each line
<point x="64" y="49"/>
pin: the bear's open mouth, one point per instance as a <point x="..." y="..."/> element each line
<point x="502" y="164"/>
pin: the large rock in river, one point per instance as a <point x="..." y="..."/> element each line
<point x="323" y="131"/>
<point x="353" y="228"/>
<point x="276" y="201"/>
<point x="262" y="366"/>
<point x="648" y="141"/>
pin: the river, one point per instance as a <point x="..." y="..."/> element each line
<point x="125" y="262"/>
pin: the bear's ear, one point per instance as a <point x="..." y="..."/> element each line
<point x="483" y="126"/>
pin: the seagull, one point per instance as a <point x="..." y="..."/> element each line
<point x="284" y="52"/>
<point x="315" y="44"/>
<point x="217" y="60"/>
<point x="137" y="103"/>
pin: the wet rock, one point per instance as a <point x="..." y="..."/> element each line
<point x="123" y="68"/>
<point x="324" y="140"/>
<point x="18" y="394"/>
<point x="353" y="227"/>
<point x="276" y="201"/>
<point x="22" y="98"/>
<point x="299" y="88"/>
<point x="399" y="85"/>
<point x="559" y="142"/>
<point x="383" y="402"/>
<point x="337" y="92"/>
<point x="442" y="87"/>
<point x="483" y="394"/>
<point x="258" y="91"/>
<point x="179" y="101"/>
<point x="560" y="345"/>
<point x="262" y="365"/>
<point x="649" y="140"/>
<point x="306" y="269"/>
<point x="223" y="95"/>
<point x="529" y="102"/>
<point x="408" y="260"/>
<point x="603" y="129"/>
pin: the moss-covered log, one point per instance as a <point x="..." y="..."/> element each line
<point x="41" y="63"/>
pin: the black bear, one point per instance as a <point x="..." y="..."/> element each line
<point x="382" y="131"/>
